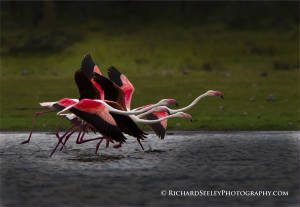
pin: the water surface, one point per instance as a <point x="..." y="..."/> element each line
<point x="131" y="177"/>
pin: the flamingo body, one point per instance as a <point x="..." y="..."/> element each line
<point x="160" y="127"/>
<point x="96" y="114"/>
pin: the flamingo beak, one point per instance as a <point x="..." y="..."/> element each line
<point x="188" y="116"/>
<point x="218" y="93"/>
<point x="172" y="102"/>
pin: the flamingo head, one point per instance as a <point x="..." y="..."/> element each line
<point x="185" y="115"/>
<point x="162" y="109"/>
<point x="215" y="93"/>
<point x="166" y="102"/>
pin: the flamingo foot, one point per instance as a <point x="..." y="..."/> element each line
<point x="118" y="145"/>
<point x="33" y="125"/>
<point x="25" y="142"/>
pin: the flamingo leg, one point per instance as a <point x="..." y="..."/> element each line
<point x="33" y="124"/>
<point x="98" y="145"/>
<point x="88" y="140"/>
<point x="60" y="140"/>
<point x="139" y="141"/>
<point x="67" y="138"/>
<point x="83" y="129"/>
<point x="58" y="127"/>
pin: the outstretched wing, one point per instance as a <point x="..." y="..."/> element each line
<point x="160" y="127"/>
<point x="85" y="86"/>
<point x="112" y="92"/>
<point x="122" y="81"/>
<point x="99" y="117"/>
<point x="89" y="68"/>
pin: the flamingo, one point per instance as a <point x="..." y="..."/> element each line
<point x="53" y="107"/>
<point x="97" y="113"/>
<point x="89" y="81"/>
<point x="160" y="128"/>
<point x="115" y="93"/>
<point x="88" y="65"/>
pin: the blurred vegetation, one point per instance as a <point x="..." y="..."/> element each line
<point x="249" y="51"/>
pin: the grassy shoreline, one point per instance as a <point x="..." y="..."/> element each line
<point x="258" y="72"/>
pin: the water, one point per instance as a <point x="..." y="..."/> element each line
<point x="131" y="177"/>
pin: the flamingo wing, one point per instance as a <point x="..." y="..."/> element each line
<point x="85" y="86"/>
<point x="160" y="127"/>
<point x="112" y="91"/>
<point x="125" y="123"/>
<point x="89" y="69"/>
<point x="99" y="117"/>
<point x="63" y="103"/>
<point x="122" y="81"/>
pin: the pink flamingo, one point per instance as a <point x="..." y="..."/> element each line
<point x="54" y="107"/>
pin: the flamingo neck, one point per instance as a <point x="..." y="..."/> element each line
<point x="146" y="113"/>
<point x="139" y="111"/>
<point x="191" y="104"/>
<point x="136" y="119"/>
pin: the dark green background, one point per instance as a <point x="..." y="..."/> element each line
<point x="247" y="50"/>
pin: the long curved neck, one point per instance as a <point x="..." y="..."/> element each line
<point x="136" y="119"/>
<point x="139" y="111"/>
<point x="172" y="111"/>
<point x="146" y="113"/>
<point x="133" y="112"/>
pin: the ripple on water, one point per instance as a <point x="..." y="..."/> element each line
<point x="96" y="158"/>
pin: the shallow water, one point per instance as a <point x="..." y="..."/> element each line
<point x="129" y="176"/>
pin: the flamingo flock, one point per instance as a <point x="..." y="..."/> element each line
<point x="104" y="107"/>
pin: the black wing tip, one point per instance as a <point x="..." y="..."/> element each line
<point x="115" y="75"/>
<point x="112" y="71"/>
<point x="87" y="65"/>
<point x="87" y="59"/>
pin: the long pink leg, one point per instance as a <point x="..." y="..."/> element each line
<point x="66" y="139"/>
<point x="98" y="145"/>
<point x="33" y="124"/>
<point x="78" y="137"/>
<point x="60" y="140"/>
<point x="139" y="141"/>
<point x="88" y="140"/>
<point x="58" y="127"/>
<point x="82" y="129"/>
<point x="68" y="136"/>
<point x="108" y="139"/>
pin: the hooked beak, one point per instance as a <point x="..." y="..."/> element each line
<point x="188" y="116"/>
<point x="172" y="102"/>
